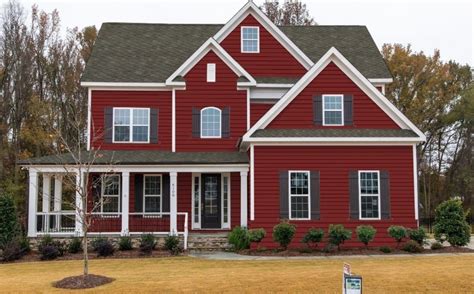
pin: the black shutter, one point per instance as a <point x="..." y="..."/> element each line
<point x="348" y="109"/>
<point x="138" y="193"/>
<point x="385" y="194"/>
<point x="196" y="122"/>
<point x="153" y="125"/>
<point x="108" y="124"/>
<point x="284" y="213"/>
<point x="166" y="193"/>
<point x="315" y="195"/>
<point x="225" y="122"/>
<point x="318" y="110"/>
<point x="354" y="194"/>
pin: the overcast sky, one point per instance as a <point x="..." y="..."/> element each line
<point x="426" y="24"/>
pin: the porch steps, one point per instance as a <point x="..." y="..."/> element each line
<point x="206" y="242"/>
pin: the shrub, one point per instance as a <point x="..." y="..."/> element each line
<point x="12" y="251"/>
<point x="385" y="249"/>
<point x="330" y="248"/>
<point x="9" y="225"/>
<point x="283" y="233"/>
<point x="365" y="234"/>
<point x="417" y="235"/>
<point x="125" y="243"/>
<point x="313" y="236"/>
<point x="436" y="246"/>
<point x="450" y="223"/>
<point x="50" y="248"/>
<point x="75" y="245"/>
<point x="412" y="247"/>
<point x="103" y="246"/>
<point x="49" y="252"/>
<point x="256" y="235"/>
<point x="24" y="244"/>
<point x="338" y="234"/>
<point x="239" y="238"/>
<point x="147" y="243"/>
<point x="172" y="244"/>
<point x="397" y="233"/>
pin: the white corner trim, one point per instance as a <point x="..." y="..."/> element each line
<point x="261" y="85"/>
<point x="173" y="121"/>
<point x="248" y="109"/>
<point x="252" y="8"/>
<point x="209" y="45"/>
<point x="415" y="181"/>
<point x="351" y="140"/>
<point x="252" y="183"/>
<point x="333" y="55"/>
<point x="89" y="114"/>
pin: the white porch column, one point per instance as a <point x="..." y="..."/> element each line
<point x="243" y="198"/>
<point x="125" y="202"/>
<point x="173" y="203"/>
<point x="79" y="204"/>
<point x="46" y="201"/>
<point x="58" y="198"/>
<point x="32" y="202"/>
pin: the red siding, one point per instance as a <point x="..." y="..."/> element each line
<point x="273" y="59"/>
<point x="200" y="94"/>
<point x="257" y="110"/>
<point x="299" y="113"/>
<point x="150" y="99"/>
<point x="334" y="163"/>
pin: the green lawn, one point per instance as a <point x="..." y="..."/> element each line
<point x="453" y="274"/>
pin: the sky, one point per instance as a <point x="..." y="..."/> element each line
<point x="426" y="25"/>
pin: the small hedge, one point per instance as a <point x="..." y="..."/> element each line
<point x="75" y="245"/>
<point x="283" y="234"/>
<point x="313" y="236"/>
<point x="365" y="234"/>
<point x="412" y="247"/>
<point x="417" y="235"/>
<point x="338" y="234"/>
<point x="436" y="246"/>
<point x="103" y="246"/>
<point x="256" y="235"/>
<point x="239" y="238"/>
<point x="398" y="233"/>
<point x="172" y="244"/>
<point x="450" y="223"/>
<point x="50" y="249"/>
<point x="147" y="243"/>
<point x="125" y="243"/>
<point x="385" y="249"/>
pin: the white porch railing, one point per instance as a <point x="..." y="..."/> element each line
<point x="56" y="222"/>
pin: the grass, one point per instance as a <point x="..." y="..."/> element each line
<point x="451" y="274"/>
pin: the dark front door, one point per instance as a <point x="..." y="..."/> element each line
<point x="211" y="201"/>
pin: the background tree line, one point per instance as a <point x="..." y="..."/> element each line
<point x="40" y="96"/>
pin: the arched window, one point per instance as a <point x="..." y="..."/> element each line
<point x="210" y="122"/>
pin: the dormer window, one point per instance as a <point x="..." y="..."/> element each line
<point x="250" y="40"/>
<point x="333" y="110"/>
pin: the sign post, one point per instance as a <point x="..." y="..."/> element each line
<point x="351" y="284"/>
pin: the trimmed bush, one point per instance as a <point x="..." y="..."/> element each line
<point x="125" y="243"/>
<point x="283" y="234"/>
<point x="147" y="243"/>
<point x="12" y="251"/>
<point x="397" y="233"/>
<point x="412" y="247"/>
<point x="330" y="248"/>
<point x="436" y="246"/>
<point x="256" y="235"/>
<point x="75" y="245"/>
<point x="365" y="234"/>
<point x="50" y="249"/>
<point x="239" y="238"/>
<point x="417" y="235"/>
<point x="338" y="234"/>
<point x="24" y="244"/>
<point x="9" y="225"/>
<point x="172" y="244"/>
<point x="313" y="236"/>
<point x="103" y="246"/>
<point x="385" y="249"/>
<point x="450" y="223"/>
<point x="49" y="252"/>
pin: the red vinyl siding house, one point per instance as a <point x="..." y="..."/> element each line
<point x="197" y="129"/>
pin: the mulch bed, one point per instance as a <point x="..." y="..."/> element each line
<point x="82" y="282"/>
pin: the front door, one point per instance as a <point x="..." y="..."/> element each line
<point x="211" y="201"/>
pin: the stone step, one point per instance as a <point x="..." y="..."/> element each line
<point x="208" y="242"/>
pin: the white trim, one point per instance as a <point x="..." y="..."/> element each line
<point x="252" y="9"/>
<point x="159" y="196"/>
<point x="173" y="121"/>
<point x="126" y="88"/>
<point x="369" y="195"/>
<point x="211" y="73"/>
<point x="215" y="168"/>
<point x="125" y="203"/>
<point x="349" y="140"/>
<point x="174" y="204"/>
<point x="209" y="45"/>
<point x="252" y="182"/>
<point x="123" y="84"/>
<point x="248" y="109"/>
<point x="415" y="181"/>
<point x="299" y="195"/>
<point x="341" y="110"/>
<point x="382" y="86"/>
<point x="195" y="225"/>
<point x="242" y="39"/>
<point x="220" y="123"/>
<point x="102" y="194"/>
<point x="32" y="202"/>
<point x="131" y="125"/>
<point x="335" y="56"/>
<point x="89" y="115"/>
<point x="243" y="199"/>
<point x="225" y="225"/>
<point x="261" y="85"/>
<point x="381" y="81"/>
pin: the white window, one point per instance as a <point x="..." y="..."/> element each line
<point x="196" y="201"/>
<point x="152" y="191"/>
<point x="211" y="72"/>
<point x="333" y="114"/>
<point x="226" y="200"/>
<point x="250" y="39"/>
<point x="299" y="194"/>
<point x="369" y="194"/>
<point x="110" y="194"/>
<point x="131" y="125"/>
<point x="210" y="122"/>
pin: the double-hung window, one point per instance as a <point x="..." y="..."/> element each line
<point x="333" y="113"/>
<point x="250" y="38"/>
<point x="211" y="122"/>
<point x="369" y="194"/>
<point x="131" y="125"/>
<point x="152" y="192"/>
<point x="299" y="193"/>
<point x="110" y="194"/>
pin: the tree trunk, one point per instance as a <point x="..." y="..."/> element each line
<point x="85" y="252"/>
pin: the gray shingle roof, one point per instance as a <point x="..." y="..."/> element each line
<point x="108" y="157"/>
<point x="150" y="53"/>
<point x="309" y="133"/>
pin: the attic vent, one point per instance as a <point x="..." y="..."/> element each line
<point x="211" y="72"/>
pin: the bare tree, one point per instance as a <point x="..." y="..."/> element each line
<point x="292" y="12"/>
